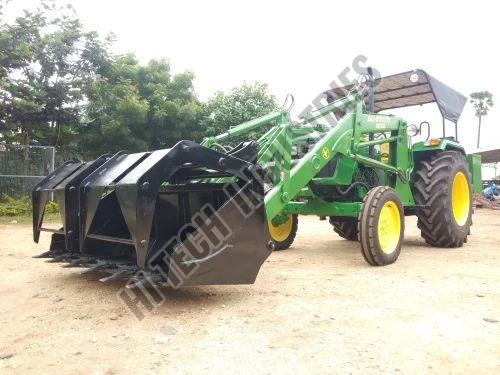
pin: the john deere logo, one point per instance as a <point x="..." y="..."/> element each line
<point x="325" y="153"/>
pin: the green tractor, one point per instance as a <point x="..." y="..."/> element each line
<point x="211" y="213"/>
<point x="365" y="175"/>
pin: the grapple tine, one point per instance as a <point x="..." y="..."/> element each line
<point x="46" y="254"/>
<point x="79" y="262"/>
<point x="72" y="263"/>
<point x="120" y="274"/>
<point x="137" y="283"/>
<point x="145" y="281"/>
<point x="96" y="268"/>
<point x="58" y="258"/>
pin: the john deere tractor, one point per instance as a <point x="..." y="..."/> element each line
<point x="211" y="213"/>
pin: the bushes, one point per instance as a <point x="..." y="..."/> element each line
<point x="22" y="207"/>
<point x="51" y="208"/>
<point x="14" y="207"/>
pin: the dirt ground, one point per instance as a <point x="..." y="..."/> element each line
<point x="317" y="307"/>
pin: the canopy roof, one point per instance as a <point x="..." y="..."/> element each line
<point x="415" y="87"/>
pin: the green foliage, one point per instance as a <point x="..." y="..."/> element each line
<point x="51" y="208"/>
<point x="19" y="207"/>
<point x="242" y="104"/>
<point x="47" y="61"/>
<point x="139" y="108"/>
<point x="482" y="101"/>
<point x="14" y="207"/>
<point x="60" y="86"/>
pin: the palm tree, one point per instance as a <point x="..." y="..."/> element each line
<point x="482" y="102"/>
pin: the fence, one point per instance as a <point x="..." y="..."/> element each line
<point x="22" y="167"/>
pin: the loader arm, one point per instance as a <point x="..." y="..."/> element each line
<point x="334" y="142"/>
<point x="345" y="141"/>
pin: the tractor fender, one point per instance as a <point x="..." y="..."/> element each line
<point x="421" y="148"/>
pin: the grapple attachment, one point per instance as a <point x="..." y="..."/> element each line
<point x="188" y="215"/>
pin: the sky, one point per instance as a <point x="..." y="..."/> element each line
<point x="299" y="47"/>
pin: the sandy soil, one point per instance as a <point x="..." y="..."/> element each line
<point x="317" y="307"/>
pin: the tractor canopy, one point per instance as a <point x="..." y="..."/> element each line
<point x="414" y="87"/>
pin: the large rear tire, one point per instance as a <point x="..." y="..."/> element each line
<point x="284" y="234"/>
<point x="345" y="227"/>
<point x="381" y="226"/>
<point x="444" y="190"/>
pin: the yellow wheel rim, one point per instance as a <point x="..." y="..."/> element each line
<point x="281" y="232"/>
<point x="460" y="199"/>
<point x="389" y="227"/>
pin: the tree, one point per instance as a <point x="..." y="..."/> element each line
<point x="60" y="86"/>
<point x="139" y="108"/>
<point x="241" y="104"/>
<point x="47" y="60"/>
<point x="482" y="102"/>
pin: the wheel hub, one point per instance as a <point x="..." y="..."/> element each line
<point x="460" y="199"/>
<point x="389" y="227"/>
<point x="281" y="232"/>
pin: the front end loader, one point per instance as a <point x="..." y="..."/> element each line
<point x="209" y="213"/>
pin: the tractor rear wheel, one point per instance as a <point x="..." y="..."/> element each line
<point x="381" y="226"/>
<point x="345" y="227"/>
<point x="284" y="234"/>
<point x="443" y="189"/>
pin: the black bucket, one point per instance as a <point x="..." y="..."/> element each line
<point x="188" y="215"/>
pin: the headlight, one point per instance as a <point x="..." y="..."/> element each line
<point x="412" y="130"/>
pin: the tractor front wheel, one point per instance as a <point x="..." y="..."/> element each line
<point x="284" y="233"/>
<point x="381" y="226"/>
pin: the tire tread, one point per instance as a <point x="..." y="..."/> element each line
<point x="435" y="220"/>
